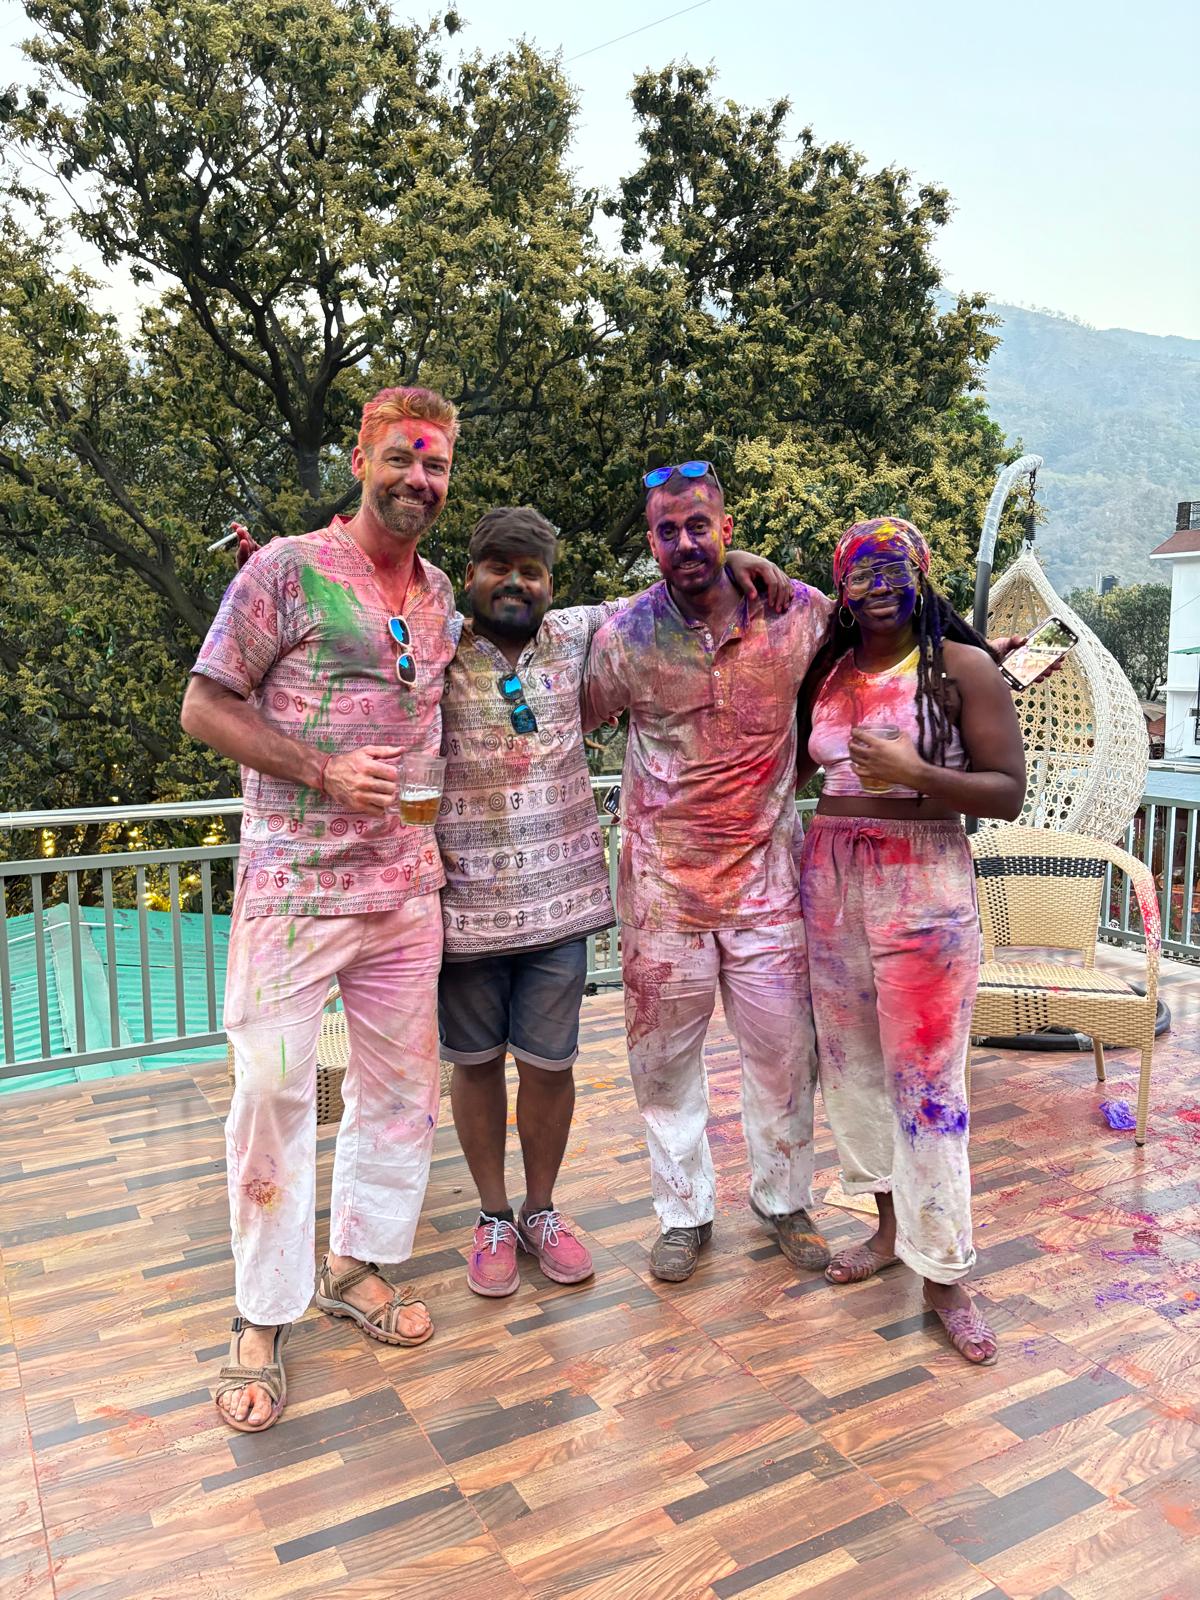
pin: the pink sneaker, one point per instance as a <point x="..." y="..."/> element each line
<point x="559" y="1253"/>
<point x="492" y="1269"/>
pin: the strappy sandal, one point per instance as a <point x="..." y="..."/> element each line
<point x="964" y="1326"/>
<point x="272" y="1377"/>
<point x="381" y="1323"/>
<point x="858" y="1263"/>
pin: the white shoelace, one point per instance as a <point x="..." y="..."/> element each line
<point x="495" y="1231"/>
<point x="548" y="1222"/>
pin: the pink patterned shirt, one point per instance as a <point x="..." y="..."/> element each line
<point x="708" y="810"/>
<point x="302" y="634"/>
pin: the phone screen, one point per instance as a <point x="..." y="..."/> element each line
<point x="1046" y="645"/>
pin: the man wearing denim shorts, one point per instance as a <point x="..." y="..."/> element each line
<point x="526" y="882"/>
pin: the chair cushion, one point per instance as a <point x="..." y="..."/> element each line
<point x="1058" y="977"/>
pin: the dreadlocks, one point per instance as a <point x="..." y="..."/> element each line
<point x="934" y="621"/>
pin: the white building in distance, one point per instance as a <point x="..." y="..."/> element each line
<point x="1182" y="550"/>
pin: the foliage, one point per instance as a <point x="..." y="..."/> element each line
<point x="319" y="204"/>
<point x="1117" y="417"/>
<point x="1132" y="624"/>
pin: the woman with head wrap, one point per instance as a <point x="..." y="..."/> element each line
<point x="908" y="714"/>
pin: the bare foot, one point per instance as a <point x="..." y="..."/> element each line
<point x="251" y="1403"/>
<point x="414" y="1322"/>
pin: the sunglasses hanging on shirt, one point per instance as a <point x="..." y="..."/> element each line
<point x="406" y="661"/>
<point x="521" y="717"/>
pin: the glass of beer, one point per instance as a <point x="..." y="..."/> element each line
<point x="420" y="779"/>
<point x="885" y="730"/>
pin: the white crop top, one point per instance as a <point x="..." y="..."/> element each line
<point x="850" y="699"/>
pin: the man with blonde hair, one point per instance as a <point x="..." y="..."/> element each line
<point x="323" y="668"/>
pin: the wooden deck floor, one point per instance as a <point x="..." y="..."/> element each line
<point x="752" y="1433"/>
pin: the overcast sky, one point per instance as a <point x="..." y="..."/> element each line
<point x="1068" y="133"/>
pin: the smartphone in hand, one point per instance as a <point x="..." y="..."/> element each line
<point x="1043" y="650"/>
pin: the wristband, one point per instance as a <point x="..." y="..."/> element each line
<point x="321" y="774"/>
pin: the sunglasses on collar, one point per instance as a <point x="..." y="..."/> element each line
<point x="521" y="717"/>
<point x="406" y="661"/>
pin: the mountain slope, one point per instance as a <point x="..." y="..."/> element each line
<point x="1116" y="415"/>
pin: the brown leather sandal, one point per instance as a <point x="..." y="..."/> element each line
<point x="382" y="1322"/>
<point x="272" y="1377"/>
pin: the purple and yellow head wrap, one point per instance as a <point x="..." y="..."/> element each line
<point x="866" y="538"/>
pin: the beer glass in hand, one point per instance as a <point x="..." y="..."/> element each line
<point x="420" y="789"/>
<point x="885" y="730"/>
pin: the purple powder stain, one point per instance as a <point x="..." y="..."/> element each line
<point x="1180" y="1309"/>
<point x="1147" y="1243"/>
<point x="1131" y="1294"/>
<point x="1118" y="1115"/>
<point x="936" y="1117"/>
<point x="419" y="444"/>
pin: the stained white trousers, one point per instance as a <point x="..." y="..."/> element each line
<point x="279" y="973"/>
<point x="671" y="981"/>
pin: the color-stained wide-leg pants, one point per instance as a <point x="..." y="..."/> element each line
<point x="671" y="982"/>
<point x="279" y="973"/>
<point x="893" y="941"/>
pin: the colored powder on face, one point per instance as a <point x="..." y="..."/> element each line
<point x="419" y="444"/>
<point x="1118" y="1115"/>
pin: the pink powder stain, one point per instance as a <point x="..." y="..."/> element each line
<point x="643" y="984"/>
<point x="1182" y="1518"/>
<point x="262" y="1192"/>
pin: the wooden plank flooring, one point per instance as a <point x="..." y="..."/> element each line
<point x="753" y="1434"/>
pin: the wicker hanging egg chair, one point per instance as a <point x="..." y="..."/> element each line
<point x="1086" y="745"/>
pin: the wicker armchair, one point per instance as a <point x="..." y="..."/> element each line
<point x="333" y="1052"/>
<point x="1086" y="747"/>
<point x="1044" y="890"/>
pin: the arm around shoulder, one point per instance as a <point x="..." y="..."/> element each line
<point x="606" y="690"/>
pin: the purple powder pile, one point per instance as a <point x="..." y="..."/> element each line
<point x="1118" y="1115"/>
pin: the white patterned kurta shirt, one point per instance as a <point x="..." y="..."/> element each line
<point x="521" y="842"/>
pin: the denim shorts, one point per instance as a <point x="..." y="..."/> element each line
<point x="526" y="1001"/>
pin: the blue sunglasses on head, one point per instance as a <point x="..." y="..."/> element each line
<point x="657" y="476"/>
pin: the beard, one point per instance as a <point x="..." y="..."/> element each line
<point x="701" y="573"/>
<point x="514" y="622"/>
<point x="406" y="522"/>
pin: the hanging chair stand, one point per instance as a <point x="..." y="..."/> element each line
<point x="1007" y="479"/>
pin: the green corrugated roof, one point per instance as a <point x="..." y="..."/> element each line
<point x="160" y="966"/>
